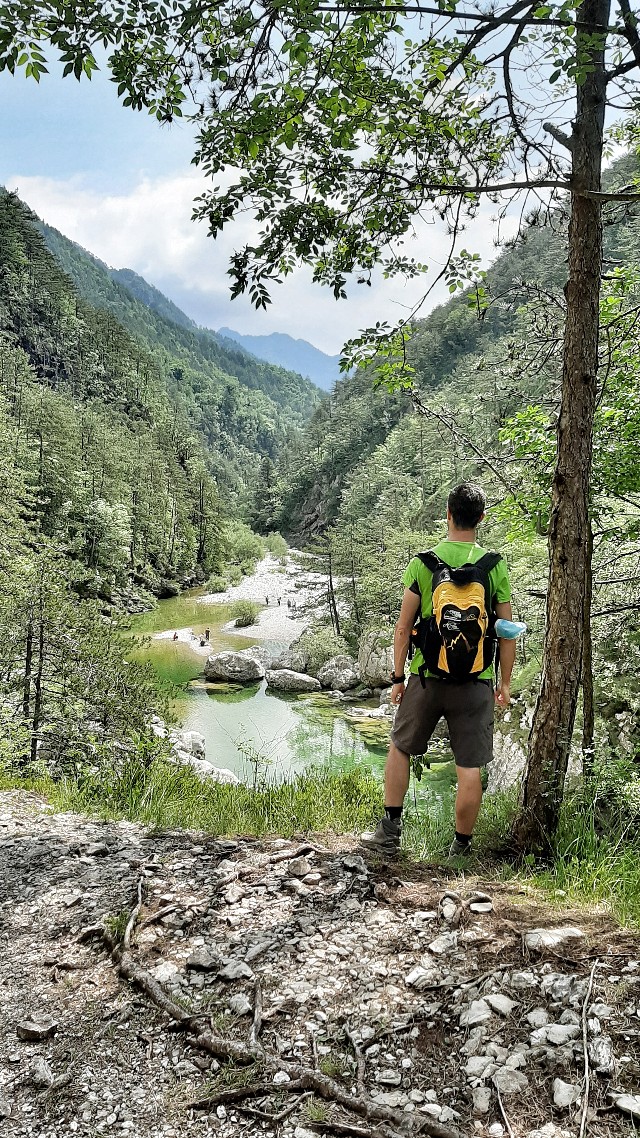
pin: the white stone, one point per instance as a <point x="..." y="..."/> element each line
<point x="515" y="1061"/>
<point x="423" y="977"/>
<point x="41" y="1073"/>
<point x="602" y="1011"/>
<point x="281" y="1077"/>
<point x="235" y="667"/>
<point x="538" y="1017"/>
<point x="478" y="1011"/>
<point x="284" y="679"/>
<point x="481" y="1100"/>
<point x="165" y="971"/>
<point x="390" y="1078"/>
<point x="443" y="943"/>
<point x="565" y="1094"/>
<point x="240" y="1005"/>
<point x="299" y="867"/>
<point x="524" y="980"/>
<point x="550" y="938"/>
<point x="431" y="1108"/>
<point x="510" y="1082"/>
<point x="556" y="1033"/>
<point x="477" y="1065"/>
<point x="557" y="986"/>
<point x="601" y="1054"/>
<point x="501" y="1004"/>
<point x="559" y="1033"/>
<point x="235" y="970"/>
<point x="339" y="673"/>
<point x="630" y="1104"/>
<point x="389" y="1098"/>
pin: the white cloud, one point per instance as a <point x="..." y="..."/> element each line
<point x="150" y="230"/>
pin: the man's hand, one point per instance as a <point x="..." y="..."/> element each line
<point x="397" y="692"/>
<point x="503" y="695"/>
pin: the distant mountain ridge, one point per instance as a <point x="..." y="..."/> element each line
<point x="295" y="355"/>
<point x="152" y="297"/>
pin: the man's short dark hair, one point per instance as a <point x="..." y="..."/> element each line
<point x="466" y="504"/>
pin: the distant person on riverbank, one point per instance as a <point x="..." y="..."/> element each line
<point x="175" y="636"/>
<point x="267" y="600"/>
<point x="457" y="589"/>
<point x="279" y="601"/>
<point x="207" y="634"/>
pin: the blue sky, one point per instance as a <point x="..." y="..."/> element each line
<point x="122" y="186"/>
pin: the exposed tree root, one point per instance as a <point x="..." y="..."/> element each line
<point x="302" y="1078"/>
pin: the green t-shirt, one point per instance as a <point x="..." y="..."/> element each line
<point x="454" y="553"/>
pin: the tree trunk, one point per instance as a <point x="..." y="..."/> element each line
<point x="28" y="657"/>
<point x="37" y="703"/>
<point x="554" y="716"/>
<point x="588" y="712"/>
<point x="333" y="608"/>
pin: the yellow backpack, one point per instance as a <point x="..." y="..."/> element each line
<point x="458" y="641"/>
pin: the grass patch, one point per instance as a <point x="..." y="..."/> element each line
<point x="595" y="860"/>
<point x="165" y="796"/>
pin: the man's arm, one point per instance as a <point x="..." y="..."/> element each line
<point x="507" y="657"/>
<point x="401" y="638"/>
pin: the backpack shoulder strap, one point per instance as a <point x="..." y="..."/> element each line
<point x="431" y="561"/>
<point x="488" y="561"/>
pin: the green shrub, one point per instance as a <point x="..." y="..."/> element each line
<point x="245" y="613"/>
<point x="276" y="545"/>
<point x="217" y="585"/>
<point x="243" y="545"/>
<point x="318" y="645"/>
<point x="235" y="575"/>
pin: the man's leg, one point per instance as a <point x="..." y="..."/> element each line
<point x="396" y="777"/>
<point x="468" y="799"/>
<point x="415" y="721"/>
<point x="469" y="716"/>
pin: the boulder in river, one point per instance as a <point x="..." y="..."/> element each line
<point x="188" y="749"/>
<point x="207" y="771"/>
<point x="284" y="679"/>
<point x="375" y="658"/>
<point x="340" y="673"/>
<point x="243" y="667"/>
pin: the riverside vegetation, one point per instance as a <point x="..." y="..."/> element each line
<point x="112" y="477"/>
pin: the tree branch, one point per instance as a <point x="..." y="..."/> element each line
<point x="559" y="135"/>
<point x="630" y="21"/>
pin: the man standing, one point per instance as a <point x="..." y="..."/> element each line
<point x="434" y="688"/>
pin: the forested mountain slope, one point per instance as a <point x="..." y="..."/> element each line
<point x="112" y="468"/>
<point x="240" y="406"/>
<point x="475" y="355"/>
<point x="105" y="489"/>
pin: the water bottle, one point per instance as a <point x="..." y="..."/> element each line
<point x="509" y="629"/>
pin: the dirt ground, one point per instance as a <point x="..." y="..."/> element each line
<point x="295" y="988"/>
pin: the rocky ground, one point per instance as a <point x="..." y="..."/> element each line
<point x="159" y="984"/>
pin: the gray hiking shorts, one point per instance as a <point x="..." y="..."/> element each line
<point x="467" y="708"/>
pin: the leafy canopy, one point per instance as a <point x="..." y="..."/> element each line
<point x="338" y="126"/>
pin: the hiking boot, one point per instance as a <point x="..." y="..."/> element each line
<point x="385" y="839"/>
<point x="460" y="849"/>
